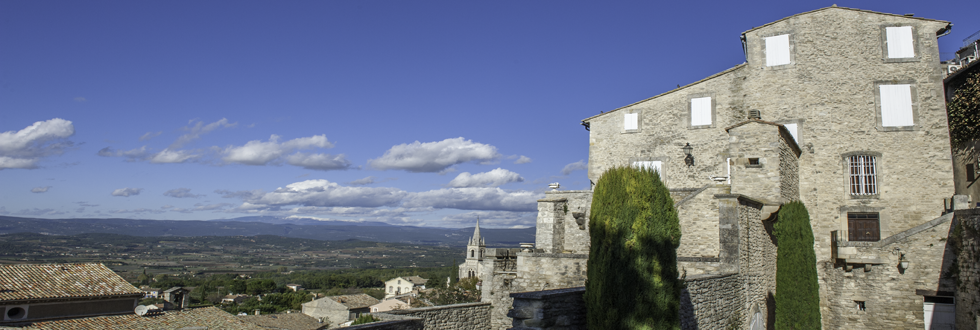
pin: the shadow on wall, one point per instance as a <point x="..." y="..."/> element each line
<point x="688" y="320"/>
<point x="770" y="311"/>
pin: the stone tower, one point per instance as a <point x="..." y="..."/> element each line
<point x="474" y="254"/>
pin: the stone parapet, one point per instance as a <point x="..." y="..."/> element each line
<point x="550" y="309"/>
<point x="448" y="317"/>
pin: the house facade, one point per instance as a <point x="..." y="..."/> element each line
<point x="842" y="109"/>
<point x="404" y="285"/>
<point x="339" y="309"/>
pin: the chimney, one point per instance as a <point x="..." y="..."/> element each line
<point x="755" y="114"/>
<point x="258" y="312"/>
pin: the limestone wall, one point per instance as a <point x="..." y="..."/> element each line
<point x="965" y="238"/>
<point x="562" y="309"/>
<point x="535" y="271"/>
<point x="711" y="302"/>
<point x="869" y="272"/>
<point x="698" y="214"/>
<point x="448" y="317"/>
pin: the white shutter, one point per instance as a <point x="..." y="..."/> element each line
<point x="899" y="39"/>
<point x="701" y="111"/>
<point x="777" y="50"/>
<point x="792" y="128"/>
<point x="630" y="121"/>
<point x="896" y="105"/>
<point x="656" y="165"/>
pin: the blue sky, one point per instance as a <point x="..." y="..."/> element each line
<point x="426" y="113"/>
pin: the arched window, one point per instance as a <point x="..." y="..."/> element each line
<point x="472" y="253"/>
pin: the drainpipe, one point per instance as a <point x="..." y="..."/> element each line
<point x="944" y="31"/>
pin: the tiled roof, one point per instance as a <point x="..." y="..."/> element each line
<point x="353" y="301"/>
<point x="45" y="281"/>
<point x="415" y="280"/>
<point x="210" y="318"/>
<point x="291" y="321"/>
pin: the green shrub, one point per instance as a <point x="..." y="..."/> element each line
<point x="632" y="270"/>
<point x="365" y="318"/>
<point x="797" y="290"/>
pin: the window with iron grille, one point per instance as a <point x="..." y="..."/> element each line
<point x="863" y="175"/>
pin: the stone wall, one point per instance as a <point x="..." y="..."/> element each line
<point x="698" y="212"/>
<point x="711" y="301"/>
<point x="535" y="271"/>
<point x="965" y="239"/>
<point x="870" y="272"/>
<point x="549" y="309"/>
<point x="448" y="317"/>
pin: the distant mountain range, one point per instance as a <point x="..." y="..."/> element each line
<point x="251" y="226"/>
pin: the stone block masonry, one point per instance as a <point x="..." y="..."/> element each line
<point x="549" y="309"/>
<point x="965" y="239"/>
<point x="474" y="316"/>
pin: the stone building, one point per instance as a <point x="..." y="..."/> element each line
<point x="339" y="309"/>
<point x="475" y="248"/>
<point x="966" y="155"/>
<point x="842" y="109"/>
<point x="403" y="285"/>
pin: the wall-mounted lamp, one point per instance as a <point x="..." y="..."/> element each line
<point x="689" y="160"/>
<point x="902" y="263"/>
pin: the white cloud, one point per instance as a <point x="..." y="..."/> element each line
<point x="434" y="156"/>
<point x="38" y="190"/>
<point x="243" y="194"/>
<point x="211" y="207"/>
<point x="261" y="153"/>
<point x="579" y="165"/>
<point x="24" y="148"/>
<point x="490" y="199"/>
<point x="363" y="181"/>
<point x="80" y="99"/>
<point x="522" y="160"/>
<point x="322" y="162"/>
<point x="496" y="177"/>
<point x="326" y="193"/>
<point x="171" y="156"/>
<point x="139" y="210"/>
<point x="167" y="156"/>
<point x="150" y="135"/>
<point x="126" y="192"/>
<point x="199" y="128"/>
<point x="181" y="193"/>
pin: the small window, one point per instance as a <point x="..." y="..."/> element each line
<point x="794" y="131"/>
<point x="863" y="226"/>
<point x="655" y="165"/>
<point x="701" y="111"/>
<point x="863" y="174"/>
<point x="631" y="121"/>
<point x="777" y="50"/>
<point x="899" y="41"/>
<point x="754" y="161"/>
<point x="971" y="172"/>
<point x="896" y="105"/>
<point x="860" y="305"/>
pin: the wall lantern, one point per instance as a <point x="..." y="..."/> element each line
<point x="689" y="160"/>
<point x="902" y="263"/>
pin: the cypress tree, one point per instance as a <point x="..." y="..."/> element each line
<point x="632" y="268"/>
<point x="797" y="290"/>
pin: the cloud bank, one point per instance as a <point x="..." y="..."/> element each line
<point x="493" y="178"/>
<point x="180" y="193"/>
<point x="25" y="148"/>
<point x="434" y="156"/>
<point x="126" y="192"/>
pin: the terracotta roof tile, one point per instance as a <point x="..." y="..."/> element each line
<point x="291" y="321"/>
<point x="210" y="318"/>
<point x="353" y="301"/>
<point x="46" y="281"/>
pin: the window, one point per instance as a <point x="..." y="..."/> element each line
<point x="655" y="165"/>
<point x="794" y="131"/>
<point x="863" y="226"/>
<point x="631" y="121"/>
<point x="898" y="40"/>
<point x="777" y="50"/>
<point x="860" y="305"/>
<point x="391" y="288"/>
<point x="754" y="161"/>
<point x="896" y="105"/>
<point x="701" y="111"/>
<point x="863" y="175"/>
<point x="472" y="253"/>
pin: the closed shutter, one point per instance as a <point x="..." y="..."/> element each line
<point x="792" y="128"/>
<point x="630" y="121"/>
<point x="863" y="227"/>
<point x="896" y="105"/>
<point x="899" y="39"/>
<point x="701" y="111"/>
<point x="777" y="50"/>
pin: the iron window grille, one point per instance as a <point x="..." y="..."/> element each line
<point x="863" y="175"/>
